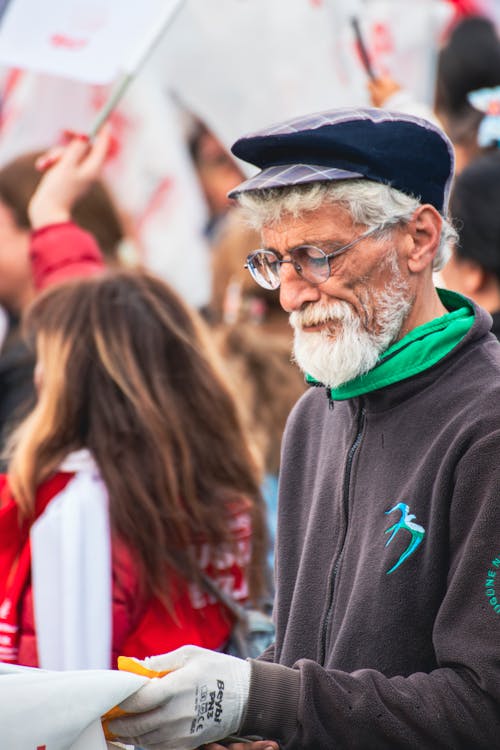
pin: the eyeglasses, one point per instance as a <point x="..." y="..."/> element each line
<point x="310" y="262"/>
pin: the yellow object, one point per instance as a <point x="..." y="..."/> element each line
<point x="127" y="664"/>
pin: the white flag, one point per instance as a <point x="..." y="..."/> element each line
<point x="243" y="65"/>
<point x="149" y="172"/>
<point x="86" y="40"/>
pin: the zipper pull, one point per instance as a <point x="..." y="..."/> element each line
<point x="331" y="402"/>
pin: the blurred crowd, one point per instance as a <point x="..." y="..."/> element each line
<point x="467" y="107"/>
<point x="178" y="413"/>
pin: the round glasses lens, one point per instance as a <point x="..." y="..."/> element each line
<point x="264" y="267"/>
<point x="312" y="262"/>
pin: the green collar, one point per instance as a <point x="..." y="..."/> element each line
<point x="420" y="349"/>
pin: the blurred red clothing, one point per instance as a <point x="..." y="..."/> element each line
<point x="141" y="625"/>
<point x="466" y="8"/>
<point x="63" y="251"/>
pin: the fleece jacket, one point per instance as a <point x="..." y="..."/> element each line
<point x="388" y="565"/>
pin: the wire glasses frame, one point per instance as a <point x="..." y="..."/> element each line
<point x="309" y="261"/>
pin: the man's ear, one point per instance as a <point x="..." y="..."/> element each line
<point x="425" y="232"/>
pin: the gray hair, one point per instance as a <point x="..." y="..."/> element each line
<point x="369" y="203"/>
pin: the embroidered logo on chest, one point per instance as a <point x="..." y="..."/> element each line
<point x="492" y="583"/>
<point x="405" y="523"/>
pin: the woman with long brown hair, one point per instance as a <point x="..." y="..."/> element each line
<point x="136" y="434"/>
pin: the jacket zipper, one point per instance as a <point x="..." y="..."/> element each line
<point x="345" y="505"/>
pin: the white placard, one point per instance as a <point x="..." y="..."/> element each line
<point x="86" y="40"/>
<point x="244" y="64"/>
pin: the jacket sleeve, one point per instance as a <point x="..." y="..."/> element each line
<point x="63" y="251"/>
<point x="268" y="654"/>
<point x="456" y="706"/>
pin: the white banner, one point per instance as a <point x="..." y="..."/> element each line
<point x="236" y="64"/>
<point x="59" y="710"/>
<point x="149" y="172"/>
<point x="242" y="65"/>
<point x="404" y="45"/>
<point x="86" y="40"/>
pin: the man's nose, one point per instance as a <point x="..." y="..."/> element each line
<point x="294" y="290"/>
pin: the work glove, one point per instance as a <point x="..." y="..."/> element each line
<point x="201" y="700"/>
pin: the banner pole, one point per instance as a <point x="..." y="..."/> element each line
<point x="363" y="52"/>
<point x="133" y="67"/>
<point x="113" y="99"/>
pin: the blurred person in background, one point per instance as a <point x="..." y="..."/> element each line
<point x="134" y="431"/>
<point x="94" y="211"/>
<point x="255" y="339"/>
<point x="235" y="298"/>
<point x="253" y="334"/>
<point x="217" y="172"/>
<point x="470" y="60"/>
<point x="467" y="62"/>
<point x="474" y="267"/>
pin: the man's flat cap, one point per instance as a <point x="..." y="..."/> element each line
<point x="408" y="153"/>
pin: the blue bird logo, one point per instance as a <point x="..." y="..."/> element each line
<point x="405" y="522"/>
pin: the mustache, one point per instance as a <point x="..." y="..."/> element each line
<point x="318" y="313"/>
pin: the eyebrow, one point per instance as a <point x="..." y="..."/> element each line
<point x="332" y="244"/>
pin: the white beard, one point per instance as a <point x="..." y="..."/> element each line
<point x="334" y="358"/>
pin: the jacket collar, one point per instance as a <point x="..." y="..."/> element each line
<point x="475" y="325"/>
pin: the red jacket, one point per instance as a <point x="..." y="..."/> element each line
<point x="141" y="626"/>
<point x="63" y="251"/>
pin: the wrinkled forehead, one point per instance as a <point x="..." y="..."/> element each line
<point x="329" y="226"/>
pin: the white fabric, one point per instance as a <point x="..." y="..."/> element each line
<point x="305" y="60"/>
<point x="150" y="173"/>
<point x="404" y="101"/>
<point x="71" y="573"/>
<point x="201" y="701"/>
<point x="87" y="40"/>
<point x="59" y="710"/>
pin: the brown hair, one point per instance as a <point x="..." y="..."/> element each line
<point x="95" y="211"/>
<point x="128" y="374"/>
<point x="268" y="383"/>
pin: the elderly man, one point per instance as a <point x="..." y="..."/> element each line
<point x="388" y="552"/>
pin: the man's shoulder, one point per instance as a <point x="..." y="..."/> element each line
<point x="312" y="404"/>
<point x="466" y="393"/>
<point x="477" y="366"/>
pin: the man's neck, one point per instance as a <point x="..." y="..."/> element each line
<point x="426" y="307"/>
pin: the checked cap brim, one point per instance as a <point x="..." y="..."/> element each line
<point x="292" y="174"/>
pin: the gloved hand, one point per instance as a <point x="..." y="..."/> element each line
<point x="202" y="700"/>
